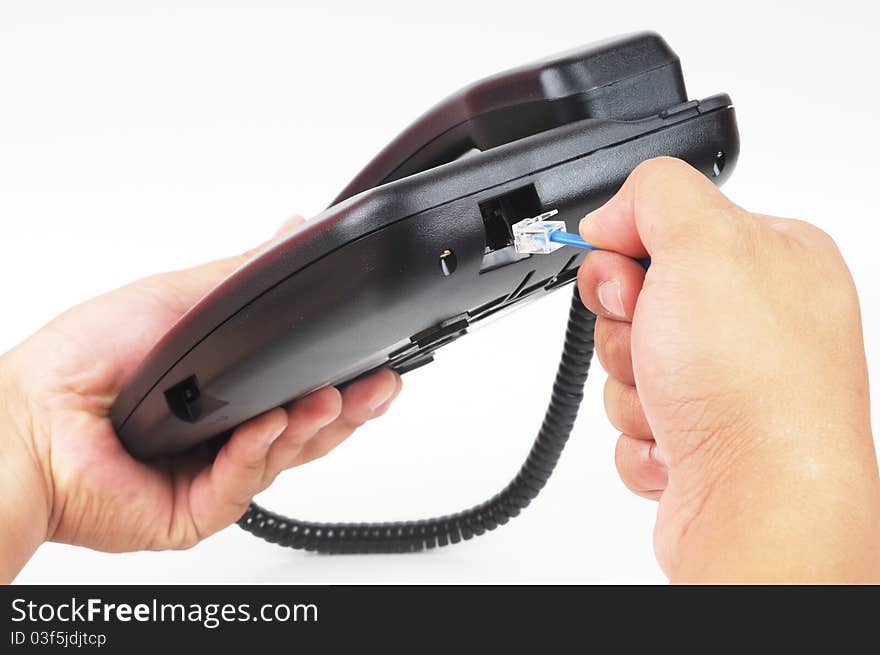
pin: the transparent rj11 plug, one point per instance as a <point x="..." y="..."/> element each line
<point x="532" y="236"/>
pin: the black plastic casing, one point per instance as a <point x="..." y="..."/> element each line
<point x="414" y="253"/>
<point x="623" y="78"/>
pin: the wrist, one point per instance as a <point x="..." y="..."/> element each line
<point x="785" y="512"/>
<point x="25" y="500"/>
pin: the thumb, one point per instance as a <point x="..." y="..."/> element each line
<point x="289" y="226"/>
<point x="153" y="304"/>
<point x="191" y="284"/>
<point x="664" y="205"/>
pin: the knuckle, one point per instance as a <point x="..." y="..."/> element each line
<point x="312" y="454"/>
<point x="610" y="399"/>
<point x="656" y="175"/>
<point x="354" y="423"/>
<point x="625" y="464"/>
<point x="586" y="289"/>
<point x="807" y="234"/>
<point x="600" y="335"/>
<point x="617" y="347"/>
<point x="813" y="234"/>
<point x="583" y="277"/>
<point x="621" y="457"/>
<point x="255" y="466"/>
<point x="660" y="166"/>
<point x="618" y="417"/>
<point x="585" y="281"/>
<point x="624" y="409"/>
<point x="319" y="454"/>
<point x="738" y="231"/>
<point x="296" y="437"/>
<point x="613" y="343"/>
<point x="821" y="266"/>
<point x="719" y="231"/>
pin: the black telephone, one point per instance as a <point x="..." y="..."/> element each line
<point x="418" y="248"/>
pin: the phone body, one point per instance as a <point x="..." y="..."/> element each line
<point x="417" y="249"/>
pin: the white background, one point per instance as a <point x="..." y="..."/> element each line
<point x="143" y="136"/>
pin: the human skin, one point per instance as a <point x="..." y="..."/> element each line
<point x="738" y="356"/>
<point x="66" y="476"/>
<point x="737" y="378"/>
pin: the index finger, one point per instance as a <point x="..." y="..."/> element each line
<point x="663" y="205"/>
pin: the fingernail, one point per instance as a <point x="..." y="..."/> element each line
<point x="584" y="222"/>
<point x="381" y="399"/>
<point x="610" y="298"/>
<point x="277" y="433"/>
<point x="327" y="420"/>
<point x="657" y="456"/>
